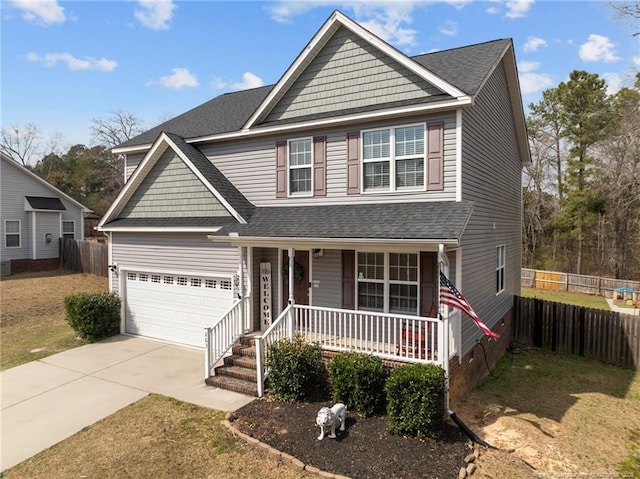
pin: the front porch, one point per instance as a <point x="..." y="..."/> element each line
<point x="399" y="338"/>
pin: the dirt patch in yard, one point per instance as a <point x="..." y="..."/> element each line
<point x="32" y="319"/>
<point x="564" y="416"/>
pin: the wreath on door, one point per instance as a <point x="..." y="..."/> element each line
<point x="298" y="272"/>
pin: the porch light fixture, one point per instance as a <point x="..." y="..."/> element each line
<point x="318" y="253"/>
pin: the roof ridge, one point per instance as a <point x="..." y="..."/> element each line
<point x="462" y="47"/>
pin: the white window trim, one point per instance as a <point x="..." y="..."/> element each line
<point x="392" y="159"/>
<point x="501" y="264"/>
<point x="296" y="167"/>
<point x="19" y="233"/>
<point x="387" y="281"/>
<point x="74" y="228"/>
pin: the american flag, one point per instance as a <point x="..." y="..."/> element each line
<point x="450" y="295"/>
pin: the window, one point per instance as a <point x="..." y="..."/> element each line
<point x="300" y="166"/>
<point x="69" y="229"/>
<point x="396" y="273"/>
<point x="371" y="281"/>
<point x="403" y="283"/>
<point x="501" y="259"/>
<point x="393" y="159"/>
<point x="12" y="233"/>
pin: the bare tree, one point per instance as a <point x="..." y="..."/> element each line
<point x="628" y="9"/>
<point x="115" y="129"/>
<point x="21" y="142"/>
<point x="112" y="131"/>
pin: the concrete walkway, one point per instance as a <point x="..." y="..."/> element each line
<point x="631" y="311"/>
<point x="46" y="401"/>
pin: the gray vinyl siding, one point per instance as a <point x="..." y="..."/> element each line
<point x="175" y="252"/>
<point x="349" y="73"/>
<point x="251" y="166"/>
<point x="491" y="178"/>
<point x="327" y="279"/>
<point x="132" y="161"/>
<point x="15" y="184"/>
<point x="47" y="222"/>
<point x="171" y="189"/>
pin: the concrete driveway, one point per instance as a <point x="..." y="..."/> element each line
<point x="46" y="401"/>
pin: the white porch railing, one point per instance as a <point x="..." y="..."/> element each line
<point x="390" y="336"/>
<point x="220" y="337"/>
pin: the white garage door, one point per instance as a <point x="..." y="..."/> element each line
<point x="173" y="307"/>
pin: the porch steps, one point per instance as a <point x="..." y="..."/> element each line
<point x="238" y="371"/>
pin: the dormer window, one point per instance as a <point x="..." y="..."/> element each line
<point x="393" y="159"/>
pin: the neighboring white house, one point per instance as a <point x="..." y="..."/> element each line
<point x="338" y="195"/>
<point x="34" y="215"/>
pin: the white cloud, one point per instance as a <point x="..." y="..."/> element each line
<point x="493" y="10"/>
<point x="44" y="12"/>
<point x="598" y="49"/>
<point x="614" y="82"/>
<point x="526" y="67"/>
<point x="387" y="19"/>
<point x="249" y="80"/>
<point x="449" y="28"/>
<point x="531" y="81"/>
<point x="179" y="79"/>
<point x="73" y="63"/>
<point x="534" y="43"/>
<point x="636" y="61"/>
<point x="518" y="8"/>
<point x="155" y="14"/>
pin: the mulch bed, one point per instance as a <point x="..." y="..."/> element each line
<point x="364" y="450"/>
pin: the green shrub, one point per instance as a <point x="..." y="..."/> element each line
<point x="295" y="369"/>
<point x="357" y="380"/>
<point x="93" y="316"/>
<point x="415" y="400"/>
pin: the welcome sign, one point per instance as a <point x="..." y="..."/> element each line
<point x="265" y="295"/>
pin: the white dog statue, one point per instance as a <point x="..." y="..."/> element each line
<point x="329" y="417"/>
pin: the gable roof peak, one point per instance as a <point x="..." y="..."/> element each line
<point x="316" y="44"/>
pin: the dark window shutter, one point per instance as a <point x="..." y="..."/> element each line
<point x="320" y="166"/>
<point x="348" y="279"/>
<point x="435" y="156"/>
<point x="428" y="274"/>
<point x="353" y="163"/>
<point x="281" y="169"/>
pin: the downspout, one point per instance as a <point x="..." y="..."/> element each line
<point x="443" y="266"/>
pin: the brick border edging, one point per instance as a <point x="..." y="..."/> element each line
<point x="295" y="462"/>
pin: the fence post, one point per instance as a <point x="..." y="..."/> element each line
<point x="259" y="368"/>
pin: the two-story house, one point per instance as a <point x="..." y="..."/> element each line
<point x="328" y="204"/>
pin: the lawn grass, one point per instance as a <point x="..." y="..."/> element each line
<point x="577" y="299"/>
<point x="32" y="318"/>
<point x="562" y="414"/>
<point x="155" y="438"/>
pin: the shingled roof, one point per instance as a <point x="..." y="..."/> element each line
<point x="466" y="68"/>
<point x="441" y="220"/>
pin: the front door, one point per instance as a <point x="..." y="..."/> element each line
<point x="300" y="278"/>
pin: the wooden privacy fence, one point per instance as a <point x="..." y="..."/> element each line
<point x="605" y="335"/>
<point x="84" y="256"/>
<point x="576" y="283"/>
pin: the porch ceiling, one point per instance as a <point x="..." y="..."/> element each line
<point x="440" y="222"/>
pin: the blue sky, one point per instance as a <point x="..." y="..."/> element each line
<point x="64" y="63"/>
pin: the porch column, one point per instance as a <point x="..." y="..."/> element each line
<point x="241" y="286"/>
<point x="292" y="263"/>
<point x="443" y="339"/>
